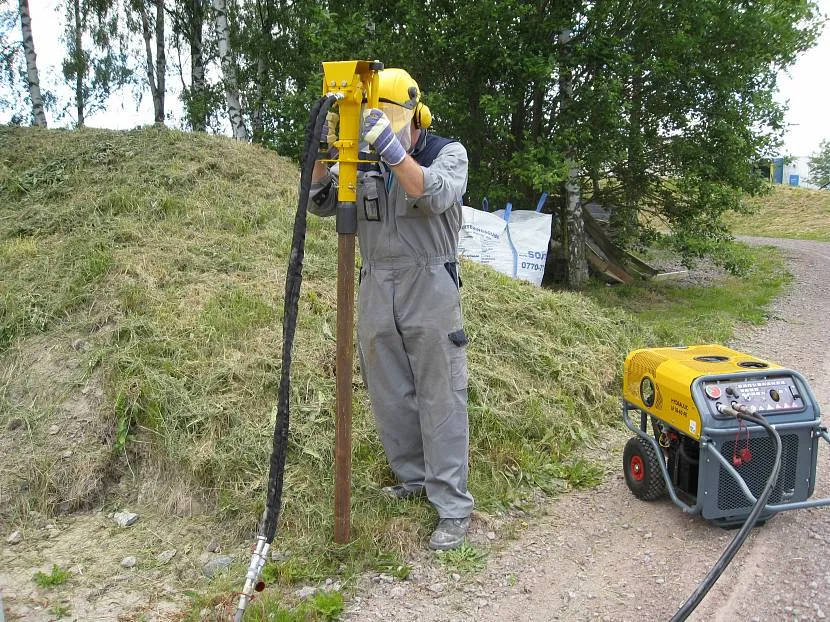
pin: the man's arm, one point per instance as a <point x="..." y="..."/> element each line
<point x="445" y="181"/>
<point x="410" y="176"/>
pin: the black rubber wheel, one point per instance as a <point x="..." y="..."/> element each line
<point x="642" y="472"/>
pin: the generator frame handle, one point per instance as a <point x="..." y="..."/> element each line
<point x="772" y="508"/>
<point x="642" y="432"/>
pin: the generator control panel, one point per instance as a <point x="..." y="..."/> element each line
<point x="769" y="395"/>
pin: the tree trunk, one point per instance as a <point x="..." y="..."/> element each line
<point x="155" y="70"/>
<point x="81" y="65"/>
<point x="161" y="64"/>
<point x="198" y="103"/>
<point x="574" y="229"/>
<point x="240" y="132"/>
<point x="38" y="115"/>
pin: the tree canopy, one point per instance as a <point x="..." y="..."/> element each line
<point x="669" y="106"/>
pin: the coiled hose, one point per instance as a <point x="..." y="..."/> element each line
<point x="714" y="574"/>
<point x="293" y="281"/>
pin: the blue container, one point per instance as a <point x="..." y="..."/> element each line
<point x="793" y="180"/>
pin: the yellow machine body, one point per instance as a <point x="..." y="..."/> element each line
<point x="357" y="82"/>
<point x="670" y="373"/>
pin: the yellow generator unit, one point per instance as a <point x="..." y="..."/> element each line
<point x="696" y="439"/>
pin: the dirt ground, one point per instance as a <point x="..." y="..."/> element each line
<point x="595" y="555"/>
<point x="603" y="555"/>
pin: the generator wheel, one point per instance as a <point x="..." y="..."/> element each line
<point x="642" y="472"/>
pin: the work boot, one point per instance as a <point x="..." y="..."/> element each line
<point x="401" y="491"/>
<point x="449" y="534"/>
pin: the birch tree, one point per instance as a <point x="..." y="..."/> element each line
<point x="95" y="64"/>
<point x="188" y="23"/>
<point x="32" y="78"/>
<point x="152" y="29"/>
<point x="234" y="106"/>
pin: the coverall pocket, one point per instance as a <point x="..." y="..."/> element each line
<point x="371" y="203"/>
<point x="408" y="208"/>
<point x="458" y="370"/>
<point x="458" y="360"/>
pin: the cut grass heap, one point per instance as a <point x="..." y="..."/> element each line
<point x="146" y="268"/>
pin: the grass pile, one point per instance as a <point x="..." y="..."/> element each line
<point x="786" y="212"/>
<point x="164" y="254"/>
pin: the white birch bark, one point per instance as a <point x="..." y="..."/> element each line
<point x="240" y="132"/>
<point x="156" y="70"/>
<point x="38" y="115"/>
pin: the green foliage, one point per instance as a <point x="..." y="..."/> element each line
<point x="57" y="576"/>
<point x="390" y="564"/>
<point x="95" y="64"/>
<point x="670" y="104"/>
<point x="327" y="605"/>
<point x="60" y="611"/>
<point x="819" y="164"/>
<point x="466" y="559"/>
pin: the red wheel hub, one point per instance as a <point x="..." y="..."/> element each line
<point x="637" y="468"/>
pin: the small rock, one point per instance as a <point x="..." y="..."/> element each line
<point x="491" y="535"/>
<point x="397" y="592"/>
<point x="124" y="518"/>
<point x="648" y="535"/>
<point x="386" y="578"/>
<point x="213" y="547"/>
<point x="436" y="588"/>
<point x="456" y="576"/>
<point x="216" y="565"/>
<point x="165" y="556"/>
<point x="305" y="592"/>
<point x="129" y="562"/>
<point x="54" y="429"/>
<point x="79" y="345"/>
<point x="66" y="454"/>
<point x="15" y="538"/>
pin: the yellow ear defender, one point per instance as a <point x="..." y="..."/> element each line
<point x="423" y="117"/>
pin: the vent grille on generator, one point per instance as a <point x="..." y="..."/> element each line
<point x="756" y="472"/>
<point x="646" y="363"/>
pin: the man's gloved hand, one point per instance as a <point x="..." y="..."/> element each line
<point x="378" y="133"/>
<point x="329" y="133"/>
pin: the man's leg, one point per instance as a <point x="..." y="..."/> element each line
<point x="430" y="320"/>
<point x="388" y="377"/>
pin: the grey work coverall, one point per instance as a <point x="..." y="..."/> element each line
<point x="410" y="331"/>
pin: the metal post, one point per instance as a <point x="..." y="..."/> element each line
<point x="343" y="438"/>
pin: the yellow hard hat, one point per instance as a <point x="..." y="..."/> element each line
<point x="398" y="87"/>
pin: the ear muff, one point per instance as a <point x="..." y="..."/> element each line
<point x="423" y="117"/>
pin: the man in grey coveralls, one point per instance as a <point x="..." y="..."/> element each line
<point x="411" y="339"/>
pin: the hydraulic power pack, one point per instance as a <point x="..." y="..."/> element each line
<point x="692" y="442"/>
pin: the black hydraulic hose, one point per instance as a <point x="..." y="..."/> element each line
<point x="714" y="574"/>
<point x="293" y="281"/>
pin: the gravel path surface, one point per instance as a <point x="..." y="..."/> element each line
<point x="604" y="555"/>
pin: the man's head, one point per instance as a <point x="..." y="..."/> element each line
<point x="400" y="100"/>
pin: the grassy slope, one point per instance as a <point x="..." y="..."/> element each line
<point x="165" y="252"/>
<point x="786" y="213"/>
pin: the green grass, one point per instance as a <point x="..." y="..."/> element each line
<point x="466" y="559"/>
<point x="166" y="252"/>
<point x="682" y="315"/>
<point x="57" y="576"/>
<point x="786" y="213"/>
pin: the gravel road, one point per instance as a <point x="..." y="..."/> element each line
<point x="604" y="555"/>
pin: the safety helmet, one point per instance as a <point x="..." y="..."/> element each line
<point x="398" y="88"/>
